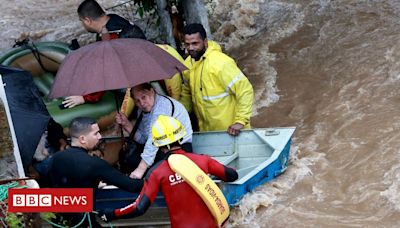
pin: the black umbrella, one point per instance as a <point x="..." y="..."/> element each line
<point x="28" y="112"/>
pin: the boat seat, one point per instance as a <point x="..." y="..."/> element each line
<point x="227" y="159"/>
<point x="243" y="171"/>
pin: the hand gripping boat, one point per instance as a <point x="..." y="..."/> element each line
<point x="202" y="184"/>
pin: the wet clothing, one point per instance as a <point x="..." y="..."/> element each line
<point x="55" y="133"/>
<point x="48" y="145"/>
<point x="119" y="26"/>
<point x="217" y="91"/>
<point x="162" y="106"/>
<point x="75" y="168"/>
<point x="185" y="207"/>
<point x="93" y="97"/>
<point x="128" y="162"/>
<point x="173" y="85"/>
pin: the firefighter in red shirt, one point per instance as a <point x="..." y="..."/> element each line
<point x="186" y="208"/>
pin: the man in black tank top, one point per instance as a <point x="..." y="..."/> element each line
<point x="75" y="168"/>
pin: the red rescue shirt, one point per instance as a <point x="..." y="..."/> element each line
<point x="185" y="207"/>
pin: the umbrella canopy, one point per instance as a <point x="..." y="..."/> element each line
<point x="28" y="112"/>
<point x="115" y="64"/>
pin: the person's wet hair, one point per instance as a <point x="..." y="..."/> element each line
<point x="195" y="28"/>
<point x="90" y="9"/>
<point x="80" y="126"/>
<point x="140" y="87"/>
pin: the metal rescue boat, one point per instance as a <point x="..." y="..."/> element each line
<point x="258" y="155"/>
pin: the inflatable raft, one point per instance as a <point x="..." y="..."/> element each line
<point x="42" y="61"/>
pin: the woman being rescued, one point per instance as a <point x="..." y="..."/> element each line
<point x="141" y="153"/>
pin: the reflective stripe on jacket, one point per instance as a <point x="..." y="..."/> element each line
<point x="217" y="91"/>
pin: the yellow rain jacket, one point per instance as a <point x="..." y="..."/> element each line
<point x="173" y="85"/>
<point x="217" y="91"/>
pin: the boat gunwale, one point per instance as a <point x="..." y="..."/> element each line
<point x="270" y="159"/>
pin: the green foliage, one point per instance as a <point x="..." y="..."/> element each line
<point x="15" y="220"/>
<point x="18" y="220"/>
<point x="55" y="218"/>
<point x="48" y="215"/>
<point x="144" y="6"/>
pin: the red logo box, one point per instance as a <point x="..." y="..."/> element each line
<point x="50" y="200"/>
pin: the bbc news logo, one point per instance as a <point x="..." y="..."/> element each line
<point x="50" y="200"/>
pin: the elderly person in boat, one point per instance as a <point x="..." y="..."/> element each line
<point x="172" y="86"/>
<point x="150" y="106"/>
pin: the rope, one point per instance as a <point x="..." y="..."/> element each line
<point x="86" y="215"/>
<point x="4" y="189"/>
<point x="35" y="52"/>
<point x="3" y="213"/>
<point x="95" y="212"/>
<point x="3" y="196"/>
<point x="77" y="225"/>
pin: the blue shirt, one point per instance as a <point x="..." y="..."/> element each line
<point x="162" y="106"/>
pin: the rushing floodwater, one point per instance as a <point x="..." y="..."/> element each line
<point x="330" y="68"/>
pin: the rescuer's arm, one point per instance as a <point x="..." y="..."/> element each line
<point x="112" y="176"/>
<point x="221" y="171"/>
<point x="137" y="208"/>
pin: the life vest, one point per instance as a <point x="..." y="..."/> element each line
<point x="202" y="184"/>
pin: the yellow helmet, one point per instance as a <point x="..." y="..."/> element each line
<point x="167" y="130"/>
